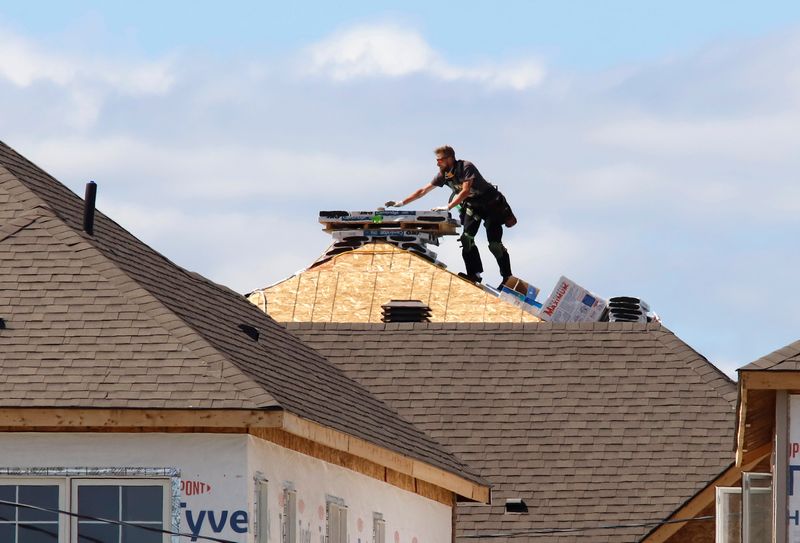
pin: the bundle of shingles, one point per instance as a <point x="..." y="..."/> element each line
<point x="409" y="230"/>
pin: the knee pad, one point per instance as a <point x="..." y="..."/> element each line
<point x="497" y="248"/>
<point x="467" y="242"/>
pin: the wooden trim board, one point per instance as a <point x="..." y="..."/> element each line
<point x="704" y="498"/>
<point x="251" y="421"/>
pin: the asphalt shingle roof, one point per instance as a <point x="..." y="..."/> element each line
<point x="590" y="424"/>
<point x="106" y="321"/>
<point x="784" y="359"/>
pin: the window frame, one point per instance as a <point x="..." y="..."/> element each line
<point x="289" y="520"/>
<point x="378" y="528"/>
<point x="261" y="509"/>
<point x="63" y="475"/>
<point x="722" y="521"/>
<point x="748" y="491"/>
<point x="60" y="482"/>
<point x="164" y="483"/>
<point x="335" y="506"/>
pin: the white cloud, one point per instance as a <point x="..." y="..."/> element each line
<point x="224" y="173"/>
<point x="385" y="50"/>
<point x="23" y="64"/>
<point x="87" y="80"/>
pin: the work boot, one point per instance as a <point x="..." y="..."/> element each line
<point x="472" y="278"/>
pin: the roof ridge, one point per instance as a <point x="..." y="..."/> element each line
<point x="715" y="378"/>
<point x="151" y="305"/>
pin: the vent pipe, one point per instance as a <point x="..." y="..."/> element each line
<point x="628" y="309"/>
<point x="88" y="207"/>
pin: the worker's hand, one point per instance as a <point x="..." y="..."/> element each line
<point x="394" y="203"/>
<point x="441" y="208"/>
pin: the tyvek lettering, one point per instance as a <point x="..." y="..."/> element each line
<point x="213" y="521"/>
<point x="195" y="527"/>
<point x="239" y="522"/>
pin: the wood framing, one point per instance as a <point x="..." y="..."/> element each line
<point x="770" y="380"/>
<point x="756" y="409"/>
<point x="278" y="426"/>
<point x="704" y="498"/>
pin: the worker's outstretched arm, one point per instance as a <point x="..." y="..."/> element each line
<point x="416" y="195"/>
<point x="461" y="196"/>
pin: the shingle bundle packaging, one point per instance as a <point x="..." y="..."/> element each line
<point x="570" y="302"/>
<point x="520" y="294"/>
<point x="409" y="230"/>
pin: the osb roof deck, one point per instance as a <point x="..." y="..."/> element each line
<point x="591" y="424"/>
<point x="352" y="286"/>
<point x="104" y="321"/>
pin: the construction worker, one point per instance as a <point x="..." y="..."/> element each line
<point x="478" y="201"/>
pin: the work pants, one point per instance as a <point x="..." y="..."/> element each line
<point x="494" y="234"/>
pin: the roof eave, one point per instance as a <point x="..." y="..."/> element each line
<point x="83" y="419"/>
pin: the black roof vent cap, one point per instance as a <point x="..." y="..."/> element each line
<point x="2" y="323"/>
<point x="516" y="505"/>
<point x="251" y="331"/>
<point x="405" y="311"/>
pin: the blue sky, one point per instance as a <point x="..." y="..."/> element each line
<point x="648" y="149"/>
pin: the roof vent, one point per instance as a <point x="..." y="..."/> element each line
<point x="516" y="505"/>
<point x="628" y="309"/>
<point x="2" y="323"/>
<point x="88" y="207"/>
<point x="251" y="331"/>
<point x="405" y="311"/>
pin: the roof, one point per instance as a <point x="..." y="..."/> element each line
<point x="784" y="359"/>
<point x="106" y="321"/>
<point x="352" y="286"/>
<point x="590" y="423"/>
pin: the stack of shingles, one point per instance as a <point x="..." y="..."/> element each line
<point x="409" y="230"/>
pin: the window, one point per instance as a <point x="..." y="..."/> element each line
<point x="137" y="501"/>
<point x="23" y="525"/>
<point x="378" y="528"/>
<point x="337" y="521"/>
<point x="147" y="498"/>
<point x="289" y="515"/>
<point x="756" y="508"/>
<point x="729" y="515"/>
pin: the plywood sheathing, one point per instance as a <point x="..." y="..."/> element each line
<point x="352" y="287"/>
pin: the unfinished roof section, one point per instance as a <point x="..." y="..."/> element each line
<point x="590" y="424"/>
<point x="352" y="287"/>
<point x="758" y="383"/>
<point x="105" y="321"/>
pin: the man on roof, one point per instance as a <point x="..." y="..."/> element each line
<point x="478" y="201"/>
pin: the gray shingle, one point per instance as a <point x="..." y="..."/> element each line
<point x="590" y="424"/>
<point x="99" y="306"/>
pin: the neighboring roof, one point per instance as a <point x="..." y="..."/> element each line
<point x="591" y="424"/>
<point x="758" y="383"/>
<point x="784" y="359"/>
<point x="106" y="321"/>
<point x="352" y="286"/>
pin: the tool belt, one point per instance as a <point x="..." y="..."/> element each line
<point x="492" y="206"/>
